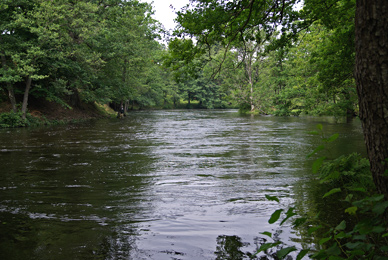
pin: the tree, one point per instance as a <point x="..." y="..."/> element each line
<point x="334" y="55"/>
<point x="78" y="51"/>
<point x="128" y="49"/>
<point x="194" y="73"/>
<point x="250" y="53"/>
<point x="18" y="49"/>
<point x="6" y="70"/>
<point x="223" y="21"/>
<point x="46" y="39"/>
<point x="372" y="84"/>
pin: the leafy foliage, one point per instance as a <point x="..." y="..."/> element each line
<point x="363" y="234"/>
<point x="13" y="120"/>
<point x="350" y="171"/>
<point x="306" y="67"/>
<point x="80" y="51"/>
<point x="107" y="52"/>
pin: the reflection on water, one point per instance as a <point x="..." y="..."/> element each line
<point x="229" y="247"/>
<point x="156" y="185"/>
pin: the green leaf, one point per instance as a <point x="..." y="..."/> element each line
<point x="380" y="208"/>
<point x="332" y="138"/>
<point x="317" y="164"/>
<point x="313" y="229"/>
<point x="351" y="210"/>
<point x="302" y="254"/>
<point x="324" y="240"/>
<point x="334" y="250"/>
<point x="376" y="198"/>
<point x="320" y="127"/>
<point x="341" y="226"/>
<point x="275" y="216"/>
<point x="266" y="246"/>
<point x="272" y="198"/>
<point x="319" y="255"/>
<point x="358" y="189"/>
<point x="267" y="234"/>
<point x="285" y="251"/>
<point x="349" y="198"/>
<point x="319" y="148"/>
<point x="357" y="252"/>
<point x="341" y="235"/>
<point x="290" y="213"/>
<point x="385" y="235"/>
<point x="333" y="191"/>
<point x="354" y="245"/>
<point x="313" y="132"/>
<point x="299" y="221"/>
<point x="378" y="229"/>
<point x="359" y="237"/>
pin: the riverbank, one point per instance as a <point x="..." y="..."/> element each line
<point x="43" y="112"/>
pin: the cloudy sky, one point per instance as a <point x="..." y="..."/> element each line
<point x="164" y="13"/>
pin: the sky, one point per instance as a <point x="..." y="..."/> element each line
<point x="163" y="12"/>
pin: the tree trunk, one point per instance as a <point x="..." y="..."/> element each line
<point x="11" y="93"/>
<point x="25" y="98"/>
<point x="248" y="68"/>
<point x="251" y="98"/>
<point x="372" y="84"/>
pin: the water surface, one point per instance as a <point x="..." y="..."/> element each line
<point x="156" y="185"/>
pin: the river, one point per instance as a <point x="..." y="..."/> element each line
<point x="179" y="184"/>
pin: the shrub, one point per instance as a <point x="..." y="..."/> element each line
<point x="12" y="119"/>
<point x="348" y="171"/>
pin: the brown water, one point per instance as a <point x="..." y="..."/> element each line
<point x="156" y="185"/>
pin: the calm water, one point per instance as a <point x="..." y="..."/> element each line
<point x="156" y="185"/>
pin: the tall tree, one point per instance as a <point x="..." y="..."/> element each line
<point x="7" y="71"/>
<point x="372" y="84"/>
<point x="128" y="48"/>
<point x="17" y="48"/>
<point x="251" y="55"/>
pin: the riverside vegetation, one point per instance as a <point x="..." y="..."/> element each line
<point x="72" y="53"/>
<point x="361" y="234"/>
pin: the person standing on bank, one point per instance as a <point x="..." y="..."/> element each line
<point x="121" y="112"/>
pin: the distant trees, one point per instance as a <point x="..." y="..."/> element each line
<point x="279" y="73"/>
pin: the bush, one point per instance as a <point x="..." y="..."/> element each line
<point x="12" y="119"/>
<point x="362" y="232"/>
<point x="348" y="171"/>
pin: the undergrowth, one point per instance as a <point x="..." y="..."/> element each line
<point x="363" y="234"/>
<point x="13" y="120"/>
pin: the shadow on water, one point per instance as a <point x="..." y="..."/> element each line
<point x="233" y="248"/>
<point x="157" y="185"/>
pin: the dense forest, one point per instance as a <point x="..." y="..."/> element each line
<point x="112" y="52"/>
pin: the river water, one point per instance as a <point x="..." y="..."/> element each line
<point x="181" y="184"/>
